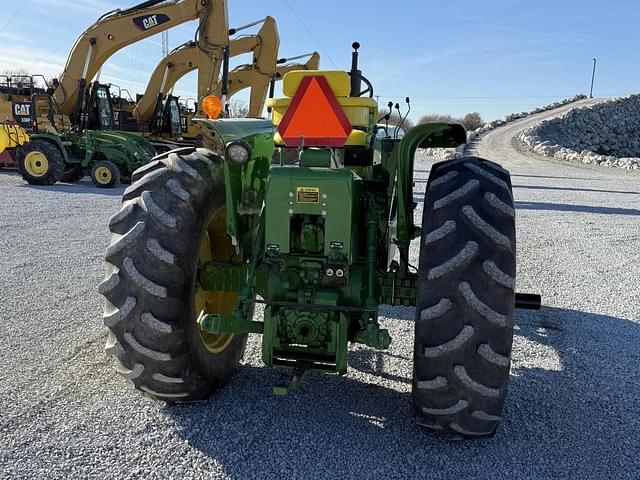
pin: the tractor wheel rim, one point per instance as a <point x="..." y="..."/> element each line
<point x="36" y="164"/>
<point x="103" y="175"/>
<point x="215" y="246"/>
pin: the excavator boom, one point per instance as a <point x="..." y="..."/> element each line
<point x="120" y="28"/>
<point x="184" y="59"/>
<point x="188" y="57"/>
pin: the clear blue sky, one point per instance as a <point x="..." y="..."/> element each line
<point x="491" y="56"/>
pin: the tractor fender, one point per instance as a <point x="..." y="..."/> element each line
<point x="55" y="141"/>
<point x="428" y="135"/>
<point x="242" y="181"/>
<point x="116" y="155"/>
<point x="122" y="148"/>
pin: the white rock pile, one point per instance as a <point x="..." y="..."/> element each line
<point x="517" y="116"/>
<point x="441" y="154"/>
<point x="605" y="134"/>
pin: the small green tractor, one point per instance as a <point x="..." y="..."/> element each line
<point x="109" y="157"/>
<point x="60" y="150"/>
<point x="206" y="234"/>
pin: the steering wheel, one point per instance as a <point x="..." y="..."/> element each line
<point x="369" y="88"/>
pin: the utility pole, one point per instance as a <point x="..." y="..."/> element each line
<point x="593" y="76"/>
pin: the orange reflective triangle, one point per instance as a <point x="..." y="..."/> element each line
<point x="315" y="115"/>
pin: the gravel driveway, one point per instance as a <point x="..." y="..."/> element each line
<point x="573" y="409"/>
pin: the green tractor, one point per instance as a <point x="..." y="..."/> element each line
<point x="56" y="152"/>
<point x="203" y="236"/>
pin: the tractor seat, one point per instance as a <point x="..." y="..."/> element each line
<point x="361" y="111"/>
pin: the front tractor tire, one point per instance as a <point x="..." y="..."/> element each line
<point x="105" y="174"/>
<point x="172" y="219"/>
<point x="40" y="163"/>
<point x="466" y="299"/>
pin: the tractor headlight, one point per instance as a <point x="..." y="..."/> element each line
<point x="238" y="152"/>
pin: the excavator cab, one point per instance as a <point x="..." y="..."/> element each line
<point x="100" y="109"/>
<point x="167" y="118"/>
<point x="173" y="116"/>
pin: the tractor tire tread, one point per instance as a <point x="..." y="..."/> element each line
<point x="54" y="156"/>
<point x="115" y="173"/>
<point x="148" y="280"/>
<point x="466" y="299"/>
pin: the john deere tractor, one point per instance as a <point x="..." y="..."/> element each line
<point x="206" y="234"/>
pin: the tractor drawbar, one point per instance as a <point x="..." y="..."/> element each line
<point x="528" y="301"/>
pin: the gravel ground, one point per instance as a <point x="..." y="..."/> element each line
<point x="573" y="409"/>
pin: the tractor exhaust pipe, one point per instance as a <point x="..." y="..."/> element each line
<point x="225" y="78"/>
<point x="356" y="74"/>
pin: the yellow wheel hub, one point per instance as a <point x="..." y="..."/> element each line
<point x="103" y="175"/>
<point x="215" y="245"/>
<point x="36" y="164"/>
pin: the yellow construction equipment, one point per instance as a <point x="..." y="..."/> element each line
<point x="120" y="28"/>
<point x="86" y="105"/>
<point x="12" y="136"/>
<point x="15" y="114"/>
<point x="245" y="76"/>
<point x="189" y="57"/>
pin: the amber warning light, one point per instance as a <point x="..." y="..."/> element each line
<point x="212" y="105"/>
<point x="314" y="118"/>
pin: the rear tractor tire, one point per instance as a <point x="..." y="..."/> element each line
<point x="40" y="163"/>
<point x="172" y="219"/>
<point x="105" y="174"/>
<point x="466" y="299"/>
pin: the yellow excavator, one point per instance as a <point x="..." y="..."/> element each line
<point x="161" y="112"/>
<point x="120" y="28"/>
<point x="158" y="112"/>
<point x="86" y="104"/>
<point x="92" y="136"/>
<point x="158" y="108"/>
<point x="189" y="57"/>
<point x="152" y="113"/>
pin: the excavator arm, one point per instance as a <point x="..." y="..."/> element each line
<point x="265" y="60"/>
<point x="173" y="67"/>
<point x="120" y="28"/>
<point x="188" y="57"/>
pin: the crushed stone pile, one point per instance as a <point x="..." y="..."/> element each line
<point x="441" y="154"/>
<point x="606" y="134"/>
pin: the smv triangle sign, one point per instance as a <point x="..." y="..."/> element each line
<point x="314" y="116"/>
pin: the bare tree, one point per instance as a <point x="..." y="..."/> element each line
<point x="437" y="118"/>
<point x="17" y="77"/>
<point x="395" y="120"/>
<point x="472" y="121"/>
<point x="238" y="109"/>
<point x="15" y="73"/>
